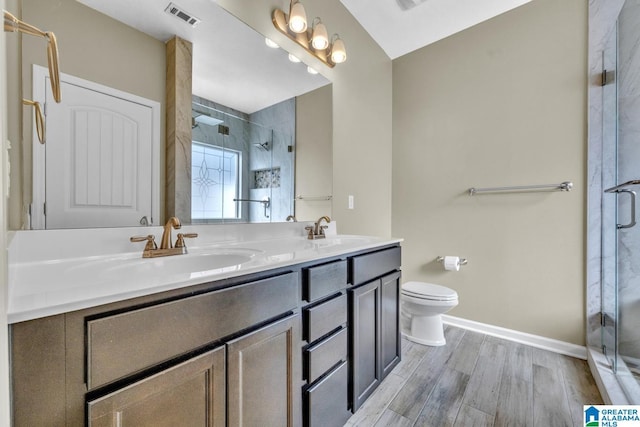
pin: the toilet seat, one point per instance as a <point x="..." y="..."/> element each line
<point x="428" y="291"/>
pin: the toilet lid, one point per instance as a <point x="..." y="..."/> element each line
<point x="429" y="291"/>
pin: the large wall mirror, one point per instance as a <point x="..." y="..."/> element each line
<point x="261" y="124"/>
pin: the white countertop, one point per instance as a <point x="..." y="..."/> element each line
<point x="58" y="271"/>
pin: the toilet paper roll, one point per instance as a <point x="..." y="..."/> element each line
<point x="452" y="263"/>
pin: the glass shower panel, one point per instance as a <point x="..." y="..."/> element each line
<point x="609" y="206"/>
<point x="262" y="174"/>
<point x="207" y="166"/>
<point x="283" y="189"/>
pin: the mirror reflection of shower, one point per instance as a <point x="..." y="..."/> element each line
<point x="204" y="119"/>
<point x="263" y="145"/>
<point x="239" y="157"/>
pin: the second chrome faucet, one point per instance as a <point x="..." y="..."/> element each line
<point x="166" y="248"/>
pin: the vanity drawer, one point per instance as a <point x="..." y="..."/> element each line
<point x="321" y="319"/>
<point x="126" y="343"/>
<point x="326" y="401"/>
<point x="371" y="266"/>
<point x="323" y="280"/>
<point x="324" y="355"/>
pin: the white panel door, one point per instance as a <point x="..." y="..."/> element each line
<point x="98" y="159"/>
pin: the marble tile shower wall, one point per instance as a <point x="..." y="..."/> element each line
<point x="278" y="128"/>
<point x="629" y="168"/>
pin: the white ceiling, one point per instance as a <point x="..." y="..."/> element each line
<point x="232" y="65"/>
<point x="402" y="26"/>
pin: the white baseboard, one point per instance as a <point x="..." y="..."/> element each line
<point x="537" y="341"/>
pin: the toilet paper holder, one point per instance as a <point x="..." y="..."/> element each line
<point x="463" y="261"/>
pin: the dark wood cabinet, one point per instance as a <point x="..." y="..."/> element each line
<point x="325" y="393"/>
<point x="390" y="337"/>
<point x="365" y="342"/>
<point x="263" y="374"/>
<point x="298" y="345"/>
<point x="374" y="320"/>
<point x="189" y="394"/>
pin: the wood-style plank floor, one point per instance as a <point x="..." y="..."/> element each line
<point x="478" y="380"/>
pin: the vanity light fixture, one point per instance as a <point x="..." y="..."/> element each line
<point x="338" y="52"/>
<point x="312" y="70"/>
<point x="314" y="40"/>
<point x="297" y="17"/>
<point x="13" y="24"/>
<point x="319" y="38"/>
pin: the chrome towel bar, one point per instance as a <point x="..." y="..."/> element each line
<point x="564" y="186"/>
<point x="313" y="198"/>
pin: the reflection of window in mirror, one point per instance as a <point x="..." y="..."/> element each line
<point x="215" y="173"/>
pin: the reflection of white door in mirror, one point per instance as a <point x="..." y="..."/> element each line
<point x="100" y="157"/>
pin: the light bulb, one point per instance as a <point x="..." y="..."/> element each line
<point x="293" y="58"/>
<point x="338" y="52"/>
<point x="320" y="39"/>
<point x="270" y="43"/>
<point x="297" y="18"/>
<point x="311" y="70"/>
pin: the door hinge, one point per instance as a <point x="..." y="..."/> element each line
<point x="44" y="208"/>
<point x="604" y="349"/>
<point x="603" y="319"/>
<point x="607" y="77"/>
<point x="224" y="130"/>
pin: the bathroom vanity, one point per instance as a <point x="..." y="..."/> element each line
<point x="299" y="334"/>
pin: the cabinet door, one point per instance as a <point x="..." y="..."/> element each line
<point x="365" y="341"/>
<point x="264" y="376"/>
<point x="189" y="394"/>
<point x="389" y="322"/>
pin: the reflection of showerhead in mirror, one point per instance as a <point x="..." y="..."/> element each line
<point x="205" y="120"/>
<point x="265" y="145"/>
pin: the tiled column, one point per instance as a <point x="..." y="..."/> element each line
<point x="178" y="186"/>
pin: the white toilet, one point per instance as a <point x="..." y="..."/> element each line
<point x="422" y="306"/>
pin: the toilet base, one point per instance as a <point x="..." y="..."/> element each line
<point x="426" y="330"/>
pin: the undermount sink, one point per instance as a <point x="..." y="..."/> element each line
<point x="189" y="263"/>
<point x="197" y="263"/>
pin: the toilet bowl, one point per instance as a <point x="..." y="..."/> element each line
<point x="422" y="306"/>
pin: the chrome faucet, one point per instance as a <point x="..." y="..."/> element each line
<point x="173" y="222"/>
<point x="151" y="250"/>
<point x="317" y="230"/>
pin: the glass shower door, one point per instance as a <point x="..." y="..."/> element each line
<point x="621" y="179"/>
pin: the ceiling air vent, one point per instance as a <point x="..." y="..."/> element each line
<point x="179" y="12"/>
